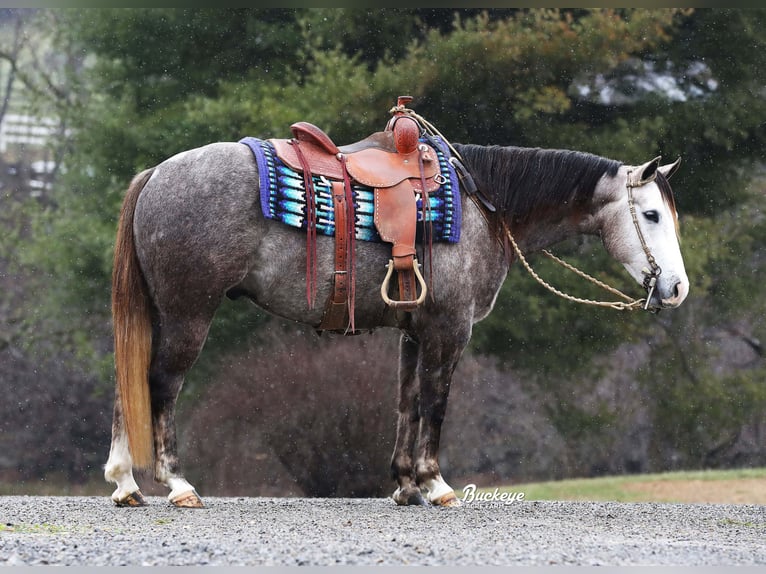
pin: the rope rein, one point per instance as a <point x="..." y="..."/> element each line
<point x="628" y="303"/>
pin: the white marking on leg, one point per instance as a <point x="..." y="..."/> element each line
<point x="119" y="468"/>
<point x="178" y="486"/>
<point x="437" y="488"/>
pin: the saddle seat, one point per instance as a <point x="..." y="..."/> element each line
<point x="398" y="167"/>
<point x="374" y="161"/>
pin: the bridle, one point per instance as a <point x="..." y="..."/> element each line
<point x="650" y="274"/>
<point x="654" y="271"/>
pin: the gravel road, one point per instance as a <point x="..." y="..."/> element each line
<point x="89" y="531"/>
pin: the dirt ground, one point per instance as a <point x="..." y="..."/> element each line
<point x="737" y="491"/>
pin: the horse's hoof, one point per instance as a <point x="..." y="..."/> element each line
<point x="187" y="500"/>
<point x="409" y="497"/>
<point x="449" y="500"/>
<point x="134" y="499"/>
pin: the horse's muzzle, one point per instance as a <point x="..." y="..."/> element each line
<point x="677" y="296"/>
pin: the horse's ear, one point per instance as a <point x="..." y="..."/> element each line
<point x="649" y="169"/>
<point x="643" y="174"/>
<point x="670" y="169"/>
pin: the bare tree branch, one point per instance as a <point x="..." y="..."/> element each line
<point x="12" y="57"/>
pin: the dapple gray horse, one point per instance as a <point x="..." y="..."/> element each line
<point x="192" y="232"/>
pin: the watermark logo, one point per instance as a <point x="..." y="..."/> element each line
<point x="471" y="494"/>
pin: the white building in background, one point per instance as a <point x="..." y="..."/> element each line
<point x="26" y="140"/>
<point x="26" y="131"/>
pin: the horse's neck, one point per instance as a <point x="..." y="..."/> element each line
<point x="555" y="220"/>
<point x="547" y="231"/>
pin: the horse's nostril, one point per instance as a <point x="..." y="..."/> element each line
<point x="679" y="292"/>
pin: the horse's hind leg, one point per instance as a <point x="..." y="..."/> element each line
<point x="119" y="466"/>
<point x="180" y="341"/>
<point x="402" y="467"/>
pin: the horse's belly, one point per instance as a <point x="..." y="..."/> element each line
<point x="277" y="282"/>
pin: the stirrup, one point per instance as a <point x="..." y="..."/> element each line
<point x="399" y="304"/>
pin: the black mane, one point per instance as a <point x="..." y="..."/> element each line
<point x="522" y="181"/>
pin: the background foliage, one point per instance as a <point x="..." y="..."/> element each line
<point x="613" y="392"/>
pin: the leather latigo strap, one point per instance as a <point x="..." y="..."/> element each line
<point x="339" y="313"/>
<point x="336" y="313"/>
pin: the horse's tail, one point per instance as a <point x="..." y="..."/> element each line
<point x="131" y="315"/>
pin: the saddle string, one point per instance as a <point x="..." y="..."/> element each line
<point x="350" y="242"/>
<point x="311" y="244"/>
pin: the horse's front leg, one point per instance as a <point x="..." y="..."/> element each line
<point x="402" y="464"/>
<point x="439" y="355"/>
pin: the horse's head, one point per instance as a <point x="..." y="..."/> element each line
<point x="639" y="227"/>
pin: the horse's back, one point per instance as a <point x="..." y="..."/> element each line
<point x="219" y="179"/>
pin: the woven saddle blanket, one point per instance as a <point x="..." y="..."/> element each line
<point x="283" y="198"/>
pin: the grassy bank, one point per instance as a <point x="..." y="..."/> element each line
<point x="736" y="486"/>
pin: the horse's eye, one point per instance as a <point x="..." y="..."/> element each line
<point x="652" y="216"/>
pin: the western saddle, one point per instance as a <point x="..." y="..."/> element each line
<point x="397" y="165"/>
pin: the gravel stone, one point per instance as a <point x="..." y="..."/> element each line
<point x="90" y="531"/>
